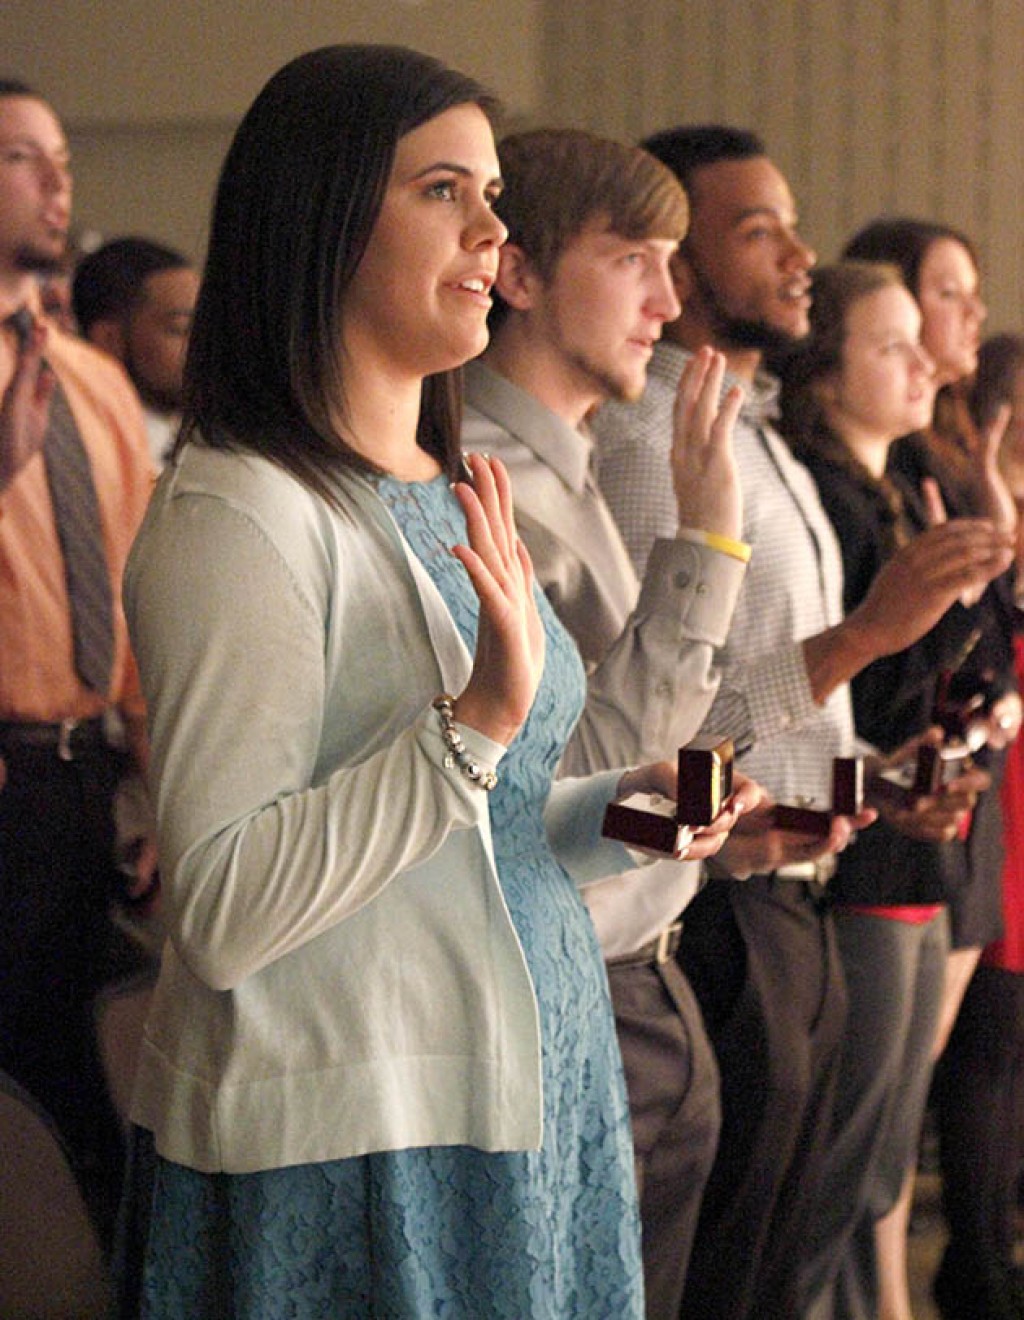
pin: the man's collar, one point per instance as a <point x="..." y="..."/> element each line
<point x="760" y="395"/>
<point x="563" y="448"/>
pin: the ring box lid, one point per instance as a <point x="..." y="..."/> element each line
<point x="655" y="823"/>
<point x="847" y="800"/>
<point x="923" y="775"/>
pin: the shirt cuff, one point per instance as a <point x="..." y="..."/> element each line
<point x="691" y="589"/>
<point x="778" y="692"/>
<point x="480" y="746"/>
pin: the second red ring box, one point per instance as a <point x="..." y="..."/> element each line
<point x="657" y="824"/>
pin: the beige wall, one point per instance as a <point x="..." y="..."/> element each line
<point x="870" y="106"/>
<point x="150" y="90"/>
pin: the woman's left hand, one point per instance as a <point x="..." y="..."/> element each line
<point x="662" y="776"/>
<point x="994" y="496"/>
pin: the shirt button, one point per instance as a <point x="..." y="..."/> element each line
<point x="702" y="588"/>
<point x="682" y="579"/>
<point x="664" y="688"/>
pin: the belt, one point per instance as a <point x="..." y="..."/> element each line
<point x="817" y="872"/>
<point x="654" y="952"/>
<point x="68" y="740"/>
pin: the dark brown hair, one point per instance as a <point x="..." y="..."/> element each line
<point x="952" y="436"/>
<point x="804" y="420"/>
<point x="110" y="282"/>
<point x="299" y="195"/>
<point x="903" y="242"/>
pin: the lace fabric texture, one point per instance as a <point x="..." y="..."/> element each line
<point x="447" y="1231"/>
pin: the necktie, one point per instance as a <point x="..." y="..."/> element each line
<point x="80" y="531"/>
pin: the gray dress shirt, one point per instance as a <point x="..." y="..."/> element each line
<point x="649" y="646"/>
<point x="793" y="587"/>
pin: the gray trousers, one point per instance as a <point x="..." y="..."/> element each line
<point x="894" y="978"/>
<point x="762" y="960"/>
<point x="672" y="1081"/>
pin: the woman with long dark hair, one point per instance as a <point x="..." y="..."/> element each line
<point x="979" y="1083"/>
<point x="380" y="1074"/>
<point x="859" y="381"/>
<point x="940" y="267"/>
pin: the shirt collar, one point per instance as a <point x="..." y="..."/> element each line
<point x="760" y="396"/>
<point x="566" y="450"/>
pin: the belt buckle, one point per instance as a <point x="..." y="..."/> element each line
<point x="805" y="871"/>
<point x="663" y="951"/>
<point x="67" y="729"/>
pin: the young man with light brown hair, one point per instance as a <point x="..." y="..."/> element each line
<point x="583" y="293"/>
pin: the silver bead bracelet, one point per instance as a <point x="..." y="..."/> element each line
<point x="456" y="754"/>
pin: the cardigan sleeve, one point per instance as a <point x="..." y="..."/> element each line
<point x="573" y="818"/>
<point x="257" y="858"/>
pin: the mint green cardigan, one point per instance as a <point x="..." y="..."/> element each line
<point x="342" y="975"/>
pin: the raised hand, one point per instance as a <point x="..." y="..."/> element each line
<point x="509" y="655"/>
<point x="924" y="578"/>
<point x="934" y="505"/>
<point x="991" y="490"/>
<point x="704" y="472"/>
<point x="993" y="493"/>
<point x="25" y="407"/>
<point x="1003" y="721"/>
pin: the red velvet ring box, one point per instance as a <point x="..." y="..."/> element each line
<point x="847" y="800"/>
<point x="923" y="776"/>
<point x="657" y="824"/>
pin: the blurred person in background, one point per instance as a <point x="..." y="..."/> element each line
<point x="940" y="267"/>
<point x="979" y="1082"/>
<point x="134" y="298"/>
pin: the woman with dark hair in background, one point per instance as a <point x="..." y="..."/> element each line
<point x="380" y="1075"/>
<point x="858" y="381"/>
<point x="979" y="1083"/>
<point x="940" y="268"/>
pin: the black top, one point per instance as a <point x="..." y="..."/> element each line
<point x="990" y="667"/>
<point x="892" y="698"/>
<point x="976" y="916"/>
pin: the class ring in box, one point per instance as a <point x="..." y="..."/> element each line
<point x="922" y="776"/>
<point x="847" y="800"/>
<point x="654" y="823"/>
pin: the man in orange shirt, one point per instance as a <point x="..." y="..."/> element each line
<point x="57" y="705"/>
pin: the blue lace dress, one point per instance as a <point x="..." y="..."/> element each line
<point x="445" y="1231"/>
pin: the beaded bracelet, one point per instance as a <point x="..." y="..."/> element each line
<point x="456" y="754"/>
